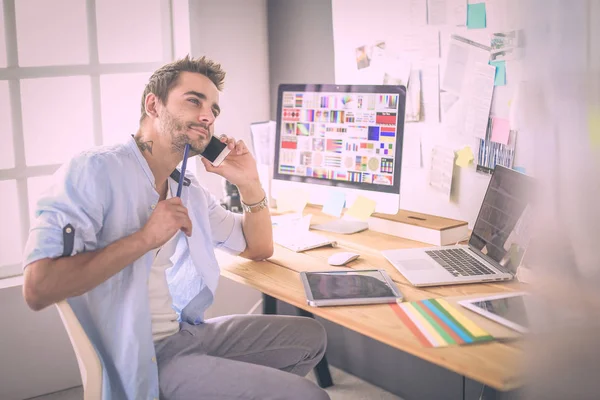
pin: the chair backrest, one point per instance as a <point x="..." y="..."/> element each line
<point x="90" y="367"/>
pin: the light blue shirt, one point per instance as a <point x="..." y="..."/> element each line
<point x="106" y="194"/>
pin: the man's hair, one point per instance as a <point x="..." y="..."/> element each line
<point x="164" y="78"/>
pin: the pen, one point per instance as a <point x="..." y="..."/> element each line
<point x="183" y="165"/>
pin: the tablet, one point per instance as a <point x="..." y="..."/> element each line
<point x="508" y="309"/>
<point x="333" y="288"/>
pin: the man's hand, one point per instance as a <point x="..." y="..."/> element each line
<point x="239" y="166"/>
<point x="167" y="218"/>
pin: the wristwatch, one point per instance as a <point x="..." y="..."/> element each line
<point x="256" y="207"/>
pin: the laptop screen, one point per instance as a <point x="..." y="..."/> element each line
<point x="503" y="226"/>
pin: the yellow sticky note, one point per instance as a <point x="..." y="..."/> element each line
<point x="594" y="127"/>
<point x="291" y="200"/>
<point x="465" y="156"/>
<point x="362" y="208"/>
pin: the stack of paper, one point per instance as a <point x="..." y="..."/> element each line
<point x="437" y="324"/>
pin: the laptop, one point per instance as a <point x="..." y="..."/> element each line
<point x="497" y="244"/>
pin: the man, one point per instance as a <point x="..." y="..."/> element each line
<point x="137" y="263"/>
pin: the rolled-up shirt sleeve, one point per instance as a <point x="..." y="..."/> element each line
<point x="69" y="215"/>
<point x="226" y="227"/>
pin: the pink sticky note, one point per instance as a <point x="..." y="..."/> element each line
<point x="500" y="130"/>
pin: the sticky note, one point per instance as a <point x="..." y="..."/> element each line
<point x="476" y="16"/>
<point x="500" y="130"/>
<point x="362" y="208"/>
<point x="291" y="200"/>
<point x="465" y="156"/>
<point x="594" y="127"/>
<point x="500" y="77"/>
<point x="335" y="204"/>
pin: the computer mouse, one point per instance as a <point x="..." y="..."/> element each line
<point x="342" y="258"/>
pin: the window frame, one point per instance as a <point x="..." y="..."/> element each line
<point x="14" y="74"/>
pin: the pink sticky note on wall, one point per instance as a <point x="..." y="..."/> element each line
<point x="500" y="130"/>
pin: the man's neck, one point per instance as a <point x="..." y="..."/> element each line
<point x="157" y="152"/>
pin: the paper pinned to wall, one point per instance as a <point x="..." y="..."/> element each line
<point x="478" y="97"/>
<point x="464" y="157"/>
<point x="411" y="147"/>
<point x="463" y="56"/>
<point x="440" y="174"/>
<point x="263" y="141"/>
<point x="476" y="16"/>
<point x="413" y="97"/>
<point x="430" y="92"/>
<point x="419" y="44"/>
<point x="417" y="12"/>
<point x="437" y="12"/>
<point x="396" y="69"/>
<point x="447" y="12"/>
<point x="500" y="130"/>
<point x="500" y="75"/>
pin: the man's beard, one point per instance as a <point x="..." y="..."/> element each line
<point x="178" y="130"/>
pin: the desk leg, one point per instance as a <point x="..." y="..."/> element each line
<point x="269" y="304"/>
<point x="322" y="368"/>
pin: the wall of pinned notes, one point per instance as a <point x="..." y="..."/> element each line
<point x="461" y="61"/>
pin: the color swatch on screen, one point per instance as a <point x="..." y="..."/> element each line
<point x="438" y="324"/>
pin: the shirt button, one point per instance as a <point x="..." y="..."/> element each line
<point x="153" y="206"/>
<point x="154" y="359"/>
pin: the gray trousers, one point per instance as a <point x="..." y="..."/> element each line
<point x="262" y="357"/>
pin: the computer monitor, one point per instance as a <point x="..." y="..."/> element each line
<point x="340" y="137"/>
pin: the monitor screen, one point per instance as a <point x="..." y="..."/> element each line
<point x="344" y="136"/>
<point x="503" y="226"/>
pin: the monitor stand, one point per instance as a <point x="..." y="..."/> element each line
<point x="344" y="226"/>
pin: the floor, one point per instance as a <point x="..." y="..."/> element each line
<point x="346" y="387"/>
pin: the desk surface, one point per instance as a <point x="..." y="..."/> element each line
<point x="495" y="364"/>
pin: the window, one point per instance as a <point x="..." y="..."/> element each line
<point x="74" y="84"/>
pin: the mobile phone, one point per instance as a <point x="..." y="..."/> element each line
<point x="216" y="151"/>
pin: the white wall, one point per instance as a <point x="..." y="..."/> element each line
<point x="355" y="25"/>
<point x="234" y="33"/>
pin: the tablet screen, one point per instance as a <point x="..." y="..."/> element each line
<point x="348" y="285"/>
<point x="512" y="309"/>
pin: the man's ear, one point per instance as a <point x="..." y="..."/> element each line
<point x="151" y="105"/>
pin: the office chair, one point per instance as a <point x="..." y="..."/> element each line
<point x="90" y="367"/>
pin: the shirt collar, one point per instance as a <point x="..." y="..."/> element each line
<point x="133" y="147"/>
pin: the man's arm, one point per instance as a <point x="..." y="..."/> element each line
<point x="257" y="226"/>
<point x="50" y="280"/>
<point x="239" y="168"/>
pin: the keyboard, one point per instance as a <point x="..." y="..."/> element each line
<point x="301" y="241"/>
<point x="459" y="262"/>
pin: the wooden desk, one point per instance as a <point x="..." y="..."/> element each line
<point x="495" y="364"/>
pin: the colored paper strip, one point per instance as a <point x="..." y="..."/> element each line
<point x="411" y="326"/>
<point x="457" y="339"/>
<point x="439" y="329"/>
<point x="455" y="328"/>
<point x="464" y="321"/>
<point x="469" y="338"/>
<point x="419" y="325"/>
<point x="412" y="311"/>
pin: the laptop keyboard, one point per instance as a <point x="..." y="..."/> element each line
<point x="459" y="262"/>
